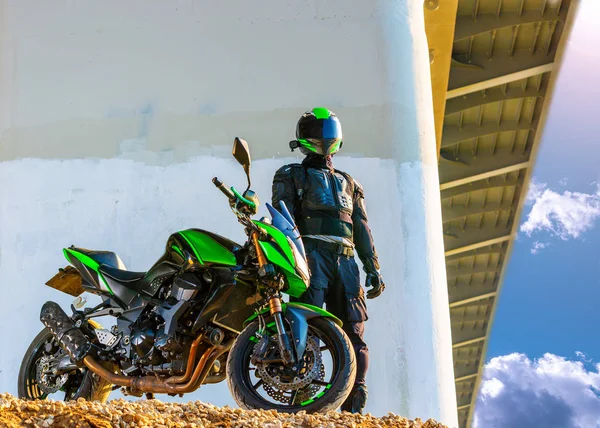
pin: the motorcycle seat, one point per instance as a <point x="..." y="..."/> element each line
<point x="146" y="283"/>
<point x="136" y="281"/>
<point x="120" y="275"/>
<point x="107" y="258"/>
<point x="113" y="268"/>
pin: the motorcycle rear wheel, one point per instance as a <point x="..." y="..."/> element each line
<point x="81" y="383"/>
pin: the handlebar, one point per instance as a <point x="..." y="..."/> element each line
<point x="233" y="197"/>
<point x="219" y="185"/>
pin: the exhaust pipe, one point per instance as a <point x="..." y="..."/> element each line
<point x="190" y="362"/>
<point x="157" y="385"/>
<point x="69" y="337"/>
<point x="78" y="347"/>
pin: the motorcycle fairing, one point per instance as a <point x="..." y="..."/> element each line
<point x="284" y="222"/>
<point x="88" y="268"/>
<point x="282" y="252"/>
<point x="208" y="247"/>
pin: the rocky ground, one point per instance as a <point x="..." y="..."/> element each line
<point x="154" y="413"/>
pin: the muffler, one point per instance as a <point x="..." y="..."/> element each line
<point x="69" y="337"/>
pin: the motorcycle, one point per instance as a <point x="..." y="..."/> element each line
<point x="207" y="310"/>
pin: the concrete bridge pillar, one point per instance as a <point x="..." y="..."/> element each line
<point x="115" y="115"/>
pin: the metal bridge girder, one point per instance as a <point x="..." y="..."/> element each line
<point x="492" y="95"/>
<point x="466" y="27"/>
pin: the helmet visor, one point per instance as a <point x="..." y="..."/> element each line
<point x="321" y="147"/>
<point x="325" y="129"/>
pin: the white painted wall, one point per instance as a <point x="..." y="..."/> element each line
<point x="131" y="208"/>
<point x="115" y="115"/>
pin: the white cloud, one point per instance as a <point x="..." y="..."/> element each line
<point x="565" y="215"/>
<point x="538" y="246"/>
<point x="535" y="191"/>
<point x="492" y="388"/>
<point x="563" y="181"/>
<point x="547" y="392"/>
<point x="583" y="357"/>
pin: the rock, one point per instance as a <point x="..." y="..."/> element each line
<point x="154" y="413"/>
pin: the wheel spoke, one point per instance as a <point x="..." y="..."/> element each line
<point x="319" y="382"/>
<point x="258" y="384"/>
<point x="293" y="397"/>
<point x="324" y="348"/>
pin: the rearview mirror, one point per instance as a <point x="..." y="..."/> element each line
<point x="241" y="153"/>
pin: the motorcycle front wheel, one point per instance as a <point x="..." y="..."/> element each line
<point x="38" y="382"/>
<point x="319" y="383"/>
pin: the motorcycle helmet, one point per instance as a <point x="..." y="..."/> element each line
<point x="319" y="131"/>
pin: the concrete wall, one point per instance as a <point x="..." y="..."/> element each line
<point x="115" y="115"/>
<point x="104" y="78"/>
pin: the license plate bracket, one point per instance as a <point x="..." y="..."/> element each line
<point x="68" y="280"/>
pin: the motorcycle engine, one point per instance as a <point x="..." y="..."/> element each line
<point x="154" y="337"/>
<point x="143" y="334"/>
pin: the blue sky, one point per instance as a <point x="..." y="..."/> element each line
<point x="549" y="300"/>
<point x="542" y="360"/>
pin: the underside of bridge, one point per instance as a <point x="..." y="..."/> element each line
<point x="493" y="66"/>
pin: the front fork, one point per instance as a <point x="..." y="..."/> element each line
<point x="283" y="338"/>
<point x="285" y="347"/>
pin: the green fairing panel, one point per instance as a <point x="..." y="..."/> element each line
<point x="280" y="238"/>
<point x="87" y="261"/>
<point x="295" y="282"/>
<point x="316" y="309"/>
<point x="297" y="287"/>
<point x="206" y="249"/>
<point x="178" y="251"/>
<point x="275" y="256"/>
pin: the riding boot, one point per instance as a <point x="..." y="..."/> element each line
<point x="356" y="401"/>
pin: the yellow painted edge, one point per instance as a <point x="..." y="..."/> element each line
<point x="440" y="22"/>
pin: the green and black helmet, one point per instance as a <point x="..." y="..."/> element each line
<point x="319" y="131"/>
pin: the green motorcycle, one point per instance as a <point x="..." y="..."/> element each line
<point x="207" y="310"/>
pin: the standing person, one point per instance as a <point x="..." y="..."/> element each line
<point x="328" y="206"/>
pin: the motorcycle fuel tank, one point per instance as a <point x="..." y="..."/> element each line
<point x="206" y="247"/>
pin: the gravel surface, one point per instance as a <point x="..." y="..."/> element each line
<point x="155" y="413"/>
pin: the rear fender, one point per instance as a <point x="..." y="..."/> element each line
<point x="298" y="315"/>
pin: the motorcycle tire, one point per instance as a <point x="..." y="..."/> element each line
<point x="338" y="389"/>
<point x="87" y="385"/>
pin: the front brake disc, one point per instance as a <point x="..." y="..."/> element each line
<point x="278" y="380"/>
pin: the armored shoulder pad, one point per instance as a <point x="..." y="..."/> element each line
<point x="346" y="175"/>
<point x="353" y="182"/>
<point x="358" y="189"/>
<point x="286" y="172"/>
<point x="358" y="185"/>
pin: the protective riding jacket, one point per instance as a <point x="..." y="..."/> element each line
<point x="326" y="202"/>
